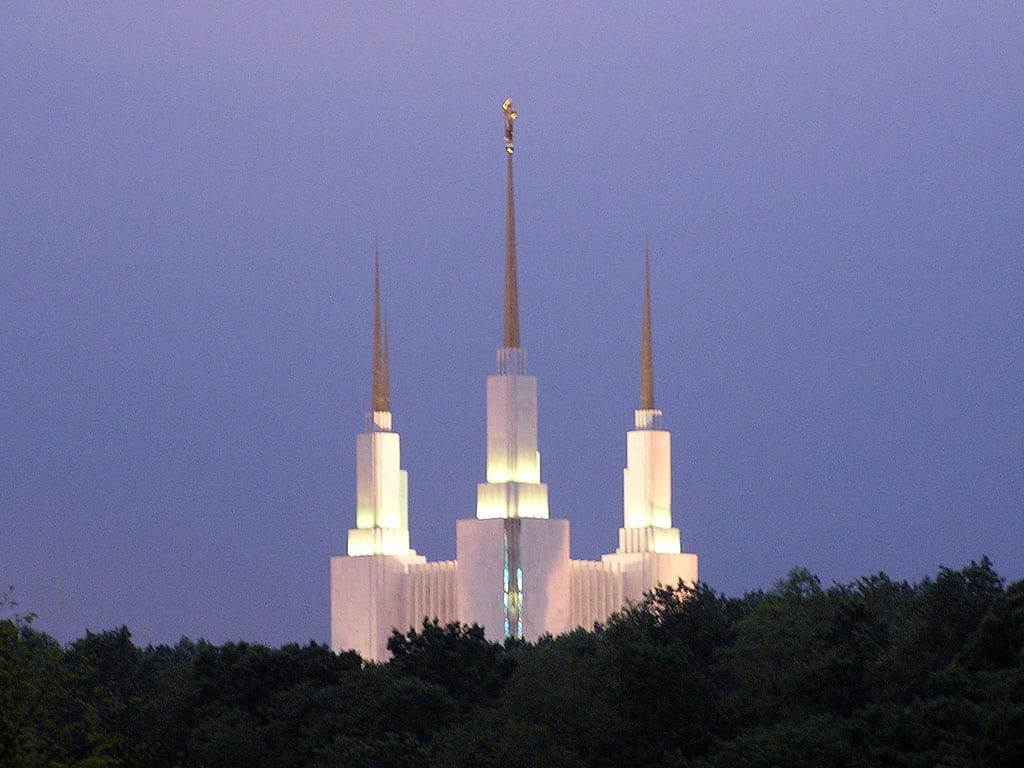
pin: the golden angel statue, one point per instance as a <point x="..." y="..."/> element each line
<point x="510" y="115"/>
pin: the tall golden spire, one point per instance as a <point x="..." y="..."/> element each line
<point x="381" y="389"/>
<point x="387" y="362"/>
<point x="646" y="344"/>
<point x="511" y="282"/>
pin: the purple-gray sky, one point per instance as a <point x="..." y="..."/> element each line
<point x="188" y="200"/>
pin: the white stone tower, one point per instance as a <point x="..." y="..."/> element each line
<point x="513" y="573"/>
<point x="368" y="587"/>
<point x="649" y="550"/>
<point x="382" y="486"/>
<point x="647" y="477"/>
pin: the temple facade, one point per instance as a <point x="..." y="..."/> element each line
<point x="512" y="574"/>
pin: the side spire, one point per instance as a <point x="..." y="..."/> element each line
<point x="381" y="389"/>
<point x="511" y="339"/>
<point x="646" y="342"/>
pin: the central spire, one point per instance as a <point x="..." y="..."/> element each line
<point x="511" y="283"/>
<point x="381" y="387"/>
<point x="646" y="343"/>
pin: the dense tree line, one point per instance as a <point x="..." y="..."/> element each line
<point x="872" y="673"/>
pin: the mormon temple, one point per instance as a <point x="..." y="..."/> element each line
<point x="512" y="573"/>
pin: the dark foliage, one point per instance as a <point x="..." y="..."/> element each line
<point x="454" y="656"/>
<point x="872" y="673"/>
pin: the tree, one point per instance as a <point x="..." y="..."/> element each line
<point x="457" y="657"/>
<point x="663" y="680"/>
<point x="103" y="670"/>
<point x="42" y="722"/>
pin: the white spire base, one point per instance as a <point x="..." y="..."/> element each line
<point x="647" y="488"/>
<point x="513" y="487"/>
<point x="378" y="421"/>
<point x="647" y="418"/>
<point x="512" y="361"/>
<point x="382" y="492"/>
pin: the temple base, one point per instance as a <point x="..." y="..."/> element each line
<point x="542" y="553"/>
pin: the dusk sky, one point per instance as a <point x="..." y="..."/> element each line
<point x="189" y="195"/>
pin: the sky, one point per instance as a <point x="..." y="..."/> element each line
<point x="189" y="196"/>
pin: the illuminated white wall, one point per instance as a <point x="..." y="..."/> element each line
<point x="368" y="601"/>
<point x="546" y="585"/>
<point x="647" y="479"/>
<point x="601" y="588"/>
<point x="432" y="593"/>
<point x="596" y="592"/>
<point x="512" y="429"/>
<point x="546" y="580"/>
<point x="479" y="551"/>
<point x="375" y="594"/>
<point x="643" y="571"/>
